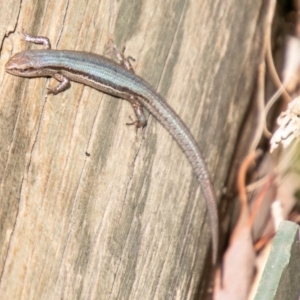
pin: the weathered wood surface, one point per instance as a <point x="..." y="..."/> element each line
<point x="127" y="221"/>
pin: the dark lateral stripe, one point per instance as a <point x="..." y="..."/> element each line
<point x="96" y="82"/>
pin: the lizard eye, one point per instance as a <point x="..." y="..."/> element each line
<point x="26" y="69"/>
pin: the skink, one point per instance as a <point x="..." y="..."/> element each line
<point x="109" y="77"/>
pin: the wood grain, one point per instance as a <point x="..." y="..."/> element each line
<point x="89" y="209"/>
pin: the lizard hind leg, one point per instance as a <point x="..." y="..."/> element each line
<point x="137" y="106"/>
<point x="119" y="54"/>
